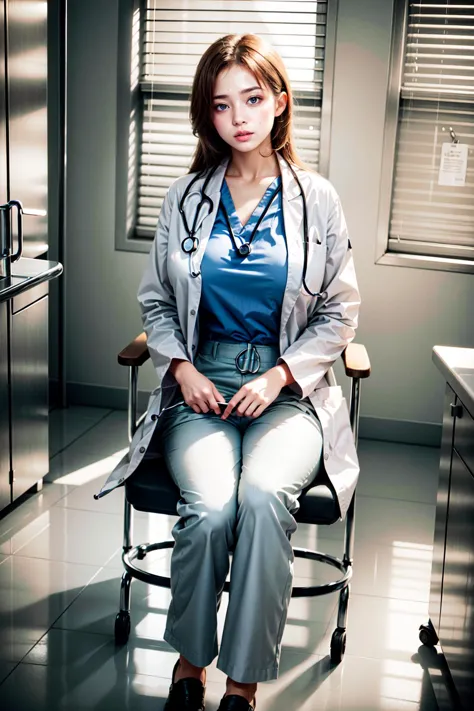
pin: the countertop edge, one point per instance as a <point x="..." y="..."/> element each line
<point x="30" y="281"/>
<point x="454" y="379"/>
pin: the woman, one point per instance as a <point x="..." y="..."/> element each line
<point x="246" y="302"/>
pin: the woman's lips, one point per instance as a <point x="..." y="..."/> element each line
<point x="243" y="137"/>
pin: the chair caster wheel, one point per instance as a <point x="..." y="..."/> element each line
<point x="428" y="635"/>
<point x="122" y="627"/>
<point x="338" y="645"/>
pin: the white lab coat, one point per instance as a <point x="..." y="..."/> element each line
<point x="314" y="331"/>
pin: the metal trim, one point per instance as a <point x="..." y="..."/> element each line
<point x="419" y="261"/>
<point x="397" y="52"/>
<point x="328" y="87"/>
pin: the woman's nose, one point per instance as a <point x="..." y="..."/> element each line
<point x="238" y="118"/>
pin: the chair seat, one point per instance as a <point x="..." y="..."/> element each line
<point x="151" y="489"/>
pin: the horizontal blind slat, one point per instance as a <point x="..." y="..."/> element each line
<point x="439" y="50"/>
<point x="175" y="37"/>
<point x="437" y="93"/>
<point x="261" y="6"/>
<point x="195" y="25"/>
<point x="424" y="212"/>
<point x="168" y="145"/>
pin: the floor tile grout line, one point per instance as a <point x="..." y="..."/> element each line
<point x="52" y="624"/>
<point x="10" y="672"/>
<point x="50" y="627"/>
<point x="55" y="560"/>
<point x="389" y="498"/>
<point x="98" y="422"/>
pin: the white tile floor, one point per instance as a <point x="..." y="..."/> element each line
<point x="59" y="588"/>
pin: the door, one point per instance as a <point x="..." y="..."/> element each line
<point x="5" y="490"/>
<point x="457" y="610"/>
<point x="437" y="566"/>
<point x="29" y="388"/>
<point x="27" y="61"/>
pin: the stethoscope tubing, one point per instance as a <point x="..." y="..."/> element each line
<point x="190" y="244"/>
<point x="244" y="249"/>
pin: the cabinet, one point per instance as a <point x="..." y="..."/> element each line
<point x="456" y="630"/>
<point x="5" y="493"/>
<point x="24" y="453"/>
<point x="451" y="605"/>
<point x="29" y="389"/>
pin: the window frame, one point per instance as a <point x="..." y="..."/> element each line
<point x="127" y="240"/>
<point x="383" y="255"/>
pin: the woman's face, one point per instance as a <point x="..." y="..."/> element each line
<point x="241" y="105"/>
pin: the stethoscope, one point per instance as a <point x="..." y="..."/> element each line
<point x="190" y="244"/>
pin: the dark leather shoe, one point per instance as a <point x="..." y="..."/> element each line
<point x="185" y="694"/>
<point x="234" y="702"/>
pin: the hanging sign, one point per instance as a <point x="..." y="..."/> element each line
<point x="453" y="165"/>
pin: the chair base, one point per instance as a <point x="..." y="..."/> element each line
<point x="129" y="555"/>
<point x="139" y="552"/>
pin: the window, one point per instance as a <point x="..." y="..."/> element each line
<point x="430" y="103"/>
<point x="168" y="38"/>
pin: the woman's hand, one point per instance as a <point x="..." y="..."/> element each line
<point x="259" y="393"/>
<point x="198" y="392"/>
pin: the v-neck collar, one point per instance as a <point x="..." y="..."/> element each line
<point x="236" y="224"/>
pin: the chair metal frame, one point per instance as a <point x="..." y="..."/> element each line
<point x="357" y="366"/>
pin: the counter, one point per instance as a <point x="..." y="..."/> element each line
<point x="451" y="605"/>
<point x="27" y="273"/>
<point x="457" y="367"/>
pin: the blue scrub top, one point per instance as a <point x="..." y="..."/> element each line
<point x="241" y="298"/>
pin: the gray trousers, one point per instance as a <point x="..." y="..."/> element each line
<point x="239" y="481"/>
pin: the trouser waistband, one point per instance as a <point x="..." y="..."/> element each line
<point x="248" y="357"/>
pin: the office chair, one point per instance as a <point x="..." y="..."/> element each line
<point x="151" y="489"/>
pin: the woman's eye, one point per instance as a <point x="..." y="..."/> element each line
<point x="220" y="107"/>
<point x="255" y="99"/>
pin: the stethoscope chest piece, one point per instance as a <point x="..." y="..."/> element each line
<point x="190" y="245"/>
<point x="244" y="250"/>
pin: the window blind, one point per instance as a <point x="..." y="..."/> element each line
<point x="175" y="35"/>
<point x="437" y="94"/>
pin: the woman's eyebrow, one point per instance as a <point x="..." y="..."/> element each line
<point x="244" y="91"/>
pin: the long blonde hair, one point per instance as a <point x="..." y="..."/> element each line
<point x="252" y="52"/>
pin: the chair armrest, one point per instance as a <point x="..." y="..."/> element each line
<point x="136" y="353"/>
<point x="356" y="361"/>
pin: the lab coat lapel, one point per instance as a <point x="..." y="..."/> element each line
<point x="293" y="220"/>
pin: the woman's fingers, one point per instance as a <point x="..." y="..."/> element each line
<point x="206" y="401"/>
<point x="254" y="408"/>
<point x="245" y="407"/>
<point x="233" y="402"/>
<point x="213" y="405"/>
<point x="259" y="411"/>
<point x="219" y="399"/>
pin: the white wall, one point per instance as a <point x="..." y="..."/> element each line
<point x="405" y="311"/>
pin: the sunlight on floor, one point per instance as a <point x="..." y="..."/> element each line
<point x="92" y="471"/>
